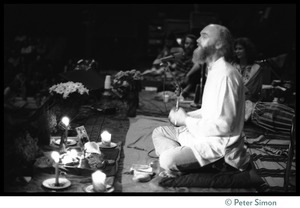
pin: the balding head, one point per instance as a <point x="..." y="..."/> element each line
<point x="221" y="38"/>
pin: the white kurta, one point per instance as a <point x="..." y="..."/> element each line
<point x="215" y="130"/>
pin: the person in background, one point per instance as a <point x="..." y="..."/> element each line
<point x="214" y="132"/>
<point x="181" y="66"/>
<point x="170" y="46"/>
<point x="257" y="110"/>
<point x="245" y="54"/>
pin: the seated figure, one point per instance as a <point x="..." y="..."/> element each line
<point x="245" y="54"/>
<point x="183" y="69"/>
<point x="215" y="131"/>
<point x="170" y="46"/>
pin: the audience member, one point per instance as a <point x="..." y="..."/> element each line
<point x="257" y="109"/>
<point x="184" y="64"/>
<point x="170" y="46"/>
<point x="181" y="66"/>
<point x="251" y="72"/>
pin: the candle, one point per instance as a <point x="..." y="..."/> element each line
<point x="106" y="138"/>
<point x="107" y="82"/>
<point x="98" y="178"/>
<point x="166" y="98"/>
<point x="55" y="157"/>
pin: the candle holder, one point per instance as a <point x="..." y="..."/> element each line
<point x="90" y="189"/>
<point x="64" y="125"/>
<point x="51" y="184"/>
<point x="56" y="183"/>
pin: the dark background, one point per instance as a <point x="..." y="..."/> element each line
<point x="119" y="36"/>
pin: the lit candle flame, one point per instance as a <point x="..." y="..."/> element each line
<point x="55" y="156"/>
<point x="65" y="120"/>
<point x="106" y="136"/>
<point x="99" y="177"/>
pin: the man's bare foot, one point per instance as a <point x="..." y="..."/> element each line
<point x="168" y="174"/>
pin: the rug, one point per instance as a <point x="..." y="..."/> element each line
<point x="152" y="105"/>
<point x="269" y="155"/>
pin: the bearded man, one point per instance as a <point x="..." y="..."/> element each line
<point x="213" y="132"/>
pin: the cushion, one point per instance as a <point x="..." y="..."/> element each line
<point x="216" y="178"/>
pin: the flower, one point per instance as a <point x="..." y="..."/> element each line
<point x="67" y="88"/>
<point x="126" y="81"/>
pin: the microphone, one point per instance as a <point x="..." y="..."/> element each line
<point x="171" y="57"/>
<point x="262" y="61"/>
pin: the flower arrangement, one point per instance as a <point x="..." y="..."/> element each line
<point x="126" y="81"/>
<point x="66" y="99"/>
<point x="65" y="89"/>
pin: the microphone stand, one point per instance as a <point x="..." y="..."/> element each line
<point x="178" y="88"/>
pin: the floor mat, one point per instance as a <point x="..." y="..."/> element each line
<point x="269" y="155"/>
<point x="150" y="105"/>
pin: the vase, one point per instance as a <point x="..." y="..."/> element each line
<point x="68" y="107"/>
<point x="132" y="101"/>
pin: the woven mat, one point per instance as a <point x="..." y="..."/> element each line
<point x="269" y="156"/>
<point x="149" y="105"/>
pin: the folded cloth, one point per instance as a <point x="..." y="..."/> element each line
<point x="140" y="176"/>
<point x="92" y="147"/>
<point x="141" y="173"/>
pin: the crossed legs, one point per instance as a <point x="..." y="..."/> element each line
<point x="173" y="157"/>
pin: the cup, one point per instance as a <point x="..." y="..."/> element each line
<point x="166" y="98"/>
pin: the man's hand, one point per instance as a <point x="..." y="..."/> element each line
<point x="177" y="117"/>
